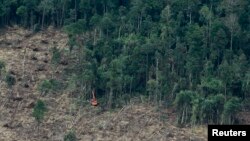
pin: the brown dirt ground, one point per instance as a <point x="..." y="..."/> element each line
<point x="27" y="57"/>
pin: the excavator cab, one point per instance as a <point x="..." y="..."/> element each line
<point x="93" y="100"/>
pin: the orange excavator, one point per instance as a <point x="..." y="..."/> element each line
<point x="94" y="100"/>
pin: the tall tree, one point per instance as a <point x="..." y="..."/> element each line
<point x="45" y="6"/>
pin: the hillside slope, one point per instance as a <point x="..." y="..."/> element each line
<point x="27" y="57"/>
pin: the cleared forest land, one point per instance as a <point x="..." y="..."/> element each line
<point x="27" y="57"/>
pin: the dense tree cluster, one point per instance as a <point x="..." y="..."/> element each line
<point x="193" y="52"/>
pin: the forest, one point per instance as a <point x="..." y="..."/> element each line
<point x="192" y="55"/>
